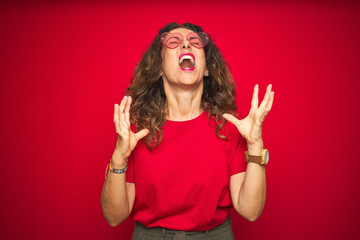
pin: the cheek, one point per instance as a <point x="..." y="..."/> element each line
<point x="167" y="59"/>
<point x="202" y="59"/>
<point x="162" y="58"/>
<point x="203" y="63"/>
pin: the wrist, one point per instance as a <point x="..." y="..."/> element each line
<point x="118" y="166"/>
<point x="118" y="160"/>
<point x="115" y="167"/>
<point x="118" y="170"/>
<point x="118" y="163"/>
<point x="255" y="149"/>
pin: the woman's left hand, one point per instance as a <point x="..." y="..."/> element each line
<point x="251" y="126"/>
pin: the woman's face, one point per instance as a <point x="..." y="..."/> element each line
<point x="186" y="73"/>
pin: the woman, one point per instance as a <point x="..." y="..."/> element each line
<point x="176" y="147"/>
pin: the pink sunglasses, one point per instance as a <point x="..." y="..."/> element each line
<point x="173" y="40"/>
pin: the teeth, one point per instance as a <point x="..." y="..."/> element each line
<point x="187" y="57"/>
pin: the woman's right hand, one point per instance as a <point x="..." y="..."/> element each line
<point x="126" y="140"/>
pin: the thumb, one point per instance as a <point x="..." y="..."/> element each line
<point x="139" y="135"/>
<point x="231" y="118"/>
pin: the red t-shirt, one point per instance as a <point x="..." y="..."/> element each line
<point x="183" y="183"/>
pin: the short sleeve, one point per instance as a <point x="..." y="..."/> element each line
<point x="130" y="176"/>
<point x="238" y="147"/>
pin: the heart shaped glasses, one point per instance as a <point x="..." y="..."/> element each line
<point x="173" y="40"/>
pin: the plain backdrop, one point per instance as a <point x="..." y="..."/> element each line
<point x="63" y="66"/>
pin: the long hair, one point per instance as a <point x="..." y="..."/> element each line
<point x="147" y="89"/>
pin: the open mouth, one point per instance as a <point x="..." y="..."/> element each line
<point x="187" y="62"/>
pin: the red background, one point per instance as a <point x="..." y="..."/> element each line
<point x="64" y="65"/>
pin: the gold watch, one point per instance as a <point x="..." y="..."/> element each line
<point x="262" y="160"/>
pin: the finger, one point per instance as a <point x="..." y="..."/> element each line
<point x="255" y="98"/>
<point x="231" y="118"/>
<point x="116" y="117"/>
<point x="262" y="117"/>
<point x="127" y="111"/>
<point x="266" y="97"/>
<point x="139" y="135"/>
<point x="267" y="109"/>
<point x="121" y="111"/>
<point x="270" y="103"/>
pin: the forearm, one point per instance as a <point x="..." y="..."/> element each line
<point x="252" y="193"/>
<point x="114" y="199"/>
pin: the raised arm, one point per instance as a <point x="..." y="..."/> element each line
<point x="248" y="190"/>
<point x="118" y="196"/>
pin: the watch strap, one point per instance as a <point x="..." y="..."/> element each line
<point x="254" y="159"/>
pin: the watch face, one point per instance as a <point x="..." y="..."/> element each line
<point x="266" y="157"/>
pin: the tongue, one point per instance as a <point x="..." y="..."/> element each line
<point x="186" y="64"/>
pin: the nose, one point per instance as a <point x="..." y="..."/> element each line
<point x="185" y="44"/>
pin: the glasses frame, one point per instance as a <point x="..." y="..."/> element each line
<point x="202" y="35"/>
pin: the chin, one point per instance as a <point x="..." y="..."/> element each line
<point x="190" y="82"/>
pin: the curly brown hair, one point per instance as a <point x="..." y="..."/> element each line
<point x="147" y="89"/>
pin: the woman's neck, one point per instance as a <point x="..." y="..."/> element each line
<point x="183" y="104"/>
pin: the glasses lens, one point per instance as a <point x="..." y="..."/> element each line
<point x="198" y="40"/>
<point x="171" y="40"/>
